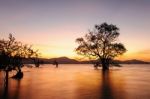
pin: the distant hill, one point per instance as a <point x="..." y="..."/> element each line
<point x="134" y="61"/>
<point x="66" y="60"/>
<point x="62" y="60"/>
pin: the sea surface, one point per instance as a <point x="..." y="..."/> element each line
<point x="79" y="81"/>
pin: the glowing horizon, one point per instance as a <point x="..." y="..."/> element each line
<point x="53" y="26"/>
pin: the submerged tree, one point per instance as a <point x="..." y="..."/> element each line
<point x="101" y="44"/>
<point x="12" y="53"/>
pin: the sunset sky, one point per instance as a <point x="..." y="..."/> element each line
<point x="53" y="25"/>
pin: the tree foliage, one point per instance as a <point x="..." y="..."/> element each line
<point x="101" y="43"/>
<point x="12" y="52"/>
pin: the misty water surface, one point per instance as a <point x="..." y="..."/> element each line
<point x="79" y="82"/>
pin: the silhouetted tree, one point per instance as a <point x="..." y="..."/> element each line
<point x="36" y="61"/>
<point x="101" y="44"/>
<point x="11" y="54"/>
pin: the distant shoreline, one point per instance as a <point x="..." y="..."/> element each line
<point x="66" y="60"/>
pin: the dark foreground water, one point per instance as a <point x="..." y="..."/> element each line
<point x="79" y="82"/>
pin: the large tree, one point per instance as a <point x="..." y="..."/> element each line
<point x="12" y="53"/>
<point x="101" y="43"/>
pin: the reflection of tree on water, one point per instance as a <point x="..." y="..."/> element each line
<point x="17" y="91"/>
<point x="111" y="88"/>
<point x="99" y="85"/>
<point x="7" y="93"/>
<point x="106" y="86"/>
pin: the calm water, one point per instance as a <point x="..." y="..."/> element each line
<point x="79" y="82"/>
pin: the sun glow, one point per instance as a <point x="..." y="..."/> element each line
<point x="52" y="27"/>
<point x="51" y="52"/>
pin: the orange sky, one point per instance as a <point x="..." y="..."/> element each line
<point x="53" y="26"/>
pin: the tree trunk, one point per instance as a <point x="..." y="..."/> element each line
<point x="105" y="64"/>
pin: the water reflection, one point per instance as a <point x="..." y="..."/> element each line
<point x="79" y="82"/>
<point x="9" y="92"/>
<point x="17" y="90"/>
<point x="5" y="91"/>
<point x="112" y="86"/>
<point x="107" y="87"/>
<point x="101" y="85"/>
